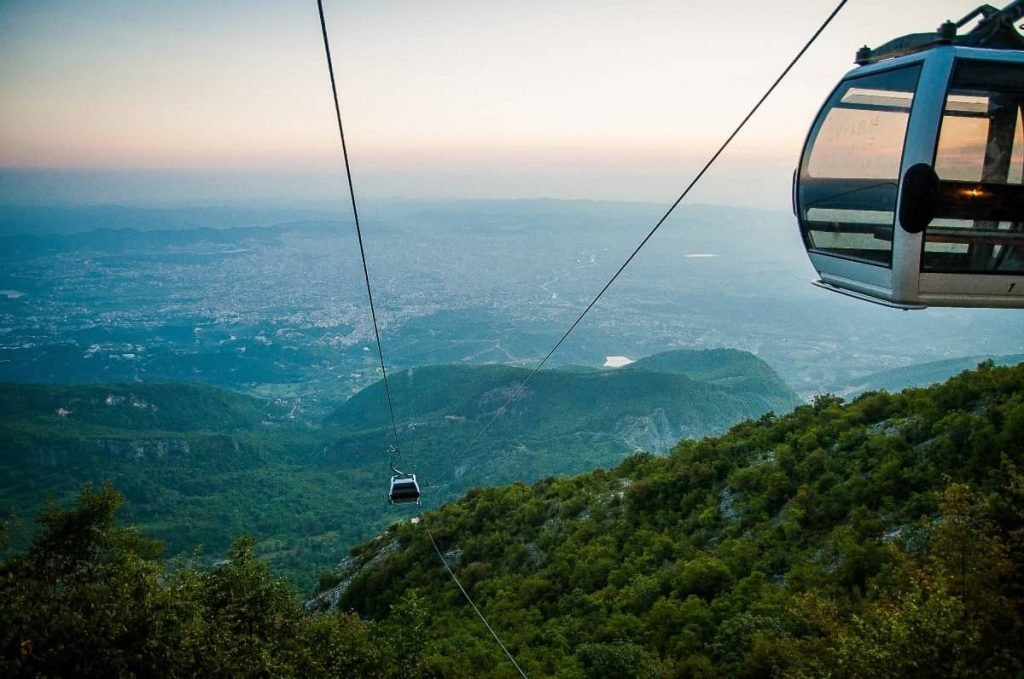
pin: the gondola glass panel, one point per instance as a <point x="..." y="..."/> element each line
<point x="849" y="176"/>
<point x="980" y="161"/>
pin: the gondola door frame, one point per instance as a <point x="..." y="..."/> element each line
<point x="919" y="147"/>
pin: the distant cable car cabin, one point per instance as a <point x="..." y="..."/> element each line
<point x="909" y="190"/>
<point x="404" y="488"/>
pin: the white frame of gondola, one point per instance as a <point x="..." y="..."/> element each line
<point x="902" y="284"/>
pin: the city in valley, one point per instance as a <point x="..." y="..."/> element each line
<point x="279" y="310"/>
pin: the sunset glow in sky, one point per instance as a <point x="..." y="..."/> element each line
<point x="448" y="99"/>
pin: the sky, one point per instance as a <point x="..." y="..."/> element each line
<point x="198" y="102"/>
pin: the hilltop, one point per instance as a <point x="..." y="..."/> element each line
<point x="567" y="420"/>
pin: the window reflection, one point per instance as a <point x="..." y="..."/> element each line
<point x="849" y="176"/>
<point x="981" y="144"/>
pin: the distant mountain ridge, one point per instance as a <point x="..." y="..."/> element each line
<point x="919" y="374"/>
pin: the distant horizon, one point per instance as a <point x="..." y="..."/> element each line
<point x="67" y="218"/>
<point x="326" y="189"/>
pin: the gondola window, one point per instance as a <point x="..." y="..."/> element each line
<point x="849" y="180"/>
<point x="980" y="159"/>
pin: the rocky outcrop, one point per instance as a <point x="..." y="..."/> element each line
<point x="346" y="571"/>
<point x="653" y="432"/>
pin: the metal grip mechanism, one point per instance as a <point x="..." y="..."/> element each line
<point x="994" y="31"/>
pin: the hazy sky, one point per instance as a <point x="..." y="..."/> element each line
<point x="146" y="100"/>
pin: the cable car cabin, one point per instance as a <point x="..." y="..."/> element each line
<point x="404" y="489"/>
<point x="910" y="189"/>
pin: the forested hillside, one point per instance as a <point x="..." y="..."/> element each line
<point x="567" y="420"/>
<point x="880" y="538"/>
<point x="199" y="465"/>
